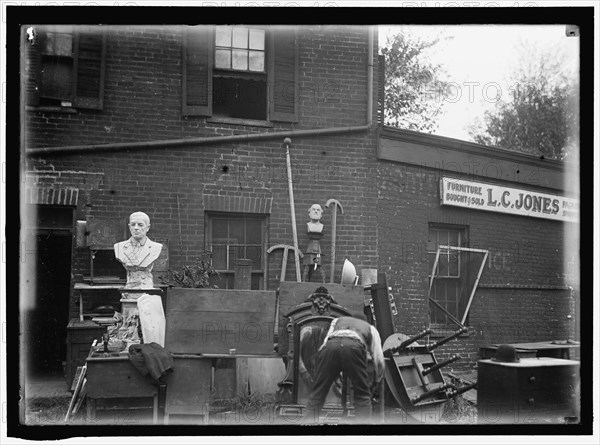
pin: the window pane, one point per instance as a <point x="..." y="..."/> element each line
<point x="240" y="252"/>
<point x="443" y="266"/>
<point x="219" y="257"/>
<point x="453" y="264"/>
<point x="219" y="229"/>
<point x="254" y="253"/>
<point x="56" y="79"/>
<point x="59" y="44"/>
<point x="256" y="61"/>
<point x="236" y="231"/>
<point x="240" y="38"/>
<point x="257" y="39"/>
<point x="453" y="238"/>
<point x="232" y="256"/>
<point x="239" y="59"/>
<point x="223" y="36"/>
<point x="223" y="58"/>
<point x="253" y="231"/>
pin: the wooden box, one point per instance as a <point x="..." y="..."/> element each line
<point x="188" y="387"/>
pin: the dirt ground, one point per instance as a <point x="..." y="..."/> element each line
<point x="52" y="411"/>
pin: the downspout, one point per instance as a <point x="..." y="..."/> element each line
<point x="370" y="79"/>
<point x="226" y="139"/>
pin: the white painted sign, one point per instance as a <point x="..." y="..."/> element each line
<point x="497" y="198"/>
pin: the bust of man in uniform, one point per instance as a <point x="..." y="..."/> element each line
<point x="138" y="253"/>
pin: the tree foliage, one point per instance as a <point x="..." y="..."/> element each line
<point x="414" y="90"/>
<point x="540" y="116"/>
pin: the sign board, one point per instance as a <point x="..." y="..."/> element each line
<point x="515" y="201"/>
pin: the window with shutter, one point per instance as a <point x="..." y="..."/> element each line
<point x="240" y="72"/>
<point x="197" y="71"/>
<point x="65" y="67"/>
<point x="284" y="75"/>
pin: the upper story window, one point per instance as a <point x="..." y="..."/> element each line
<point x="240" y="49"/>
<point x="64" y="66"/>
<point x="241" y="73"/>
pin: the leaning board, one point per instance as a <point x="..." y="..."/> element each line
<point x="213" y="321"/>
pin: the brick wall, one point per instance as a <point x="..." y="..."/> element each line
<point x="522" y="295"/>
<point x="175" y="186"/>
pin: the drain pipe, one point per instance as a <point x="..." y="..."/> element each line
<point x="370" y="78"/>
<point x="96" y="148"/>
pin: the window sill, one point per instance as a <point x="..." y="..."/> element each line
<point x="236" y="121"/>
<point x="67" y="110"/>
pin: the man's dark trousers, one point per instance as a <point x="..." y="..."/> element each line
<point x="346" y="354"/>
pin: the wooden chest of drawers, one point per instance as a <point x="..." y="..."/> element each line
<point x="532" y="390"/>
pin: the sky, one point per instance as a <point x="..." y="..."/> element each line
<point x="478" y="60"/>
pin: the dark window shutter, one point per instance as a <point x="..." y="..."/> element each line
<point x="33" y="60"/>
<point x="283" y="75"/>
<point x="89" y="68"/>
<point x="197" y="71"/>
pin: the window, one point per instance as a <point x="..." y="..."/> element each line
<point x="240" y="72"/>
<point x="241" y="236"/>
<point x="239" y="77"/>
<point x="64" y="66"/>
<point x="449" y="275"/>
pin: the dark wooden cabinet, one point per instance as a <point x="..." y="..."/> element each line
<point x="80" y="335"/>
<point x="532" y="390"/>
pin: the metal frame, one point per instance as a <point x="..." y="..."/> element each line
<point x="433" y="276"/>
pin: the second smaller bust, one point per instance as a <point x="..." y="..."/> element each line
<point x="312" y="255"/>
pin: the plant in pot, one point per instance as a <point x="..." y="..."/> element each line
<point x="200" y="274"/>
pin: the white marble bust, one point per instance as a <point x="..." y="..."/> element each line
<point x="315" y="213"/>
<point x="138" y="253"/>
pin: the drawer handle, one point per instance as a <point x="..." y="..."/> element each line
<point x="531" y="400"/>
<point x="532" y="379"/>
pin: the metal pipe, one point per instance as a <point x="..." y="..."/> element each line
<point x="194" y="141"/>
<point x="370" y="78"/>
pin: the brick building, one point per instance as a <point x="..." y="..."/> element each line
<point x="187" y="124"/>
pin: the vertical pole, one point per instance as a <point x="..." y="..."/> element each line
<point x="287" y="142"/>
<point x="333" y="234"/>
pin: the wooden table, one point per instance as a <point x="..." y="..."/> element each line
<point x="81" y="288"/>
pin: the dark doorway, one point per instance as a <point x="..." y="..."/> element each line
<point x="49" y="309"/>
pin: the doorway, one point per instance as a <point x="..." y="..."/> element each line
<point x="48" y="313"/>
